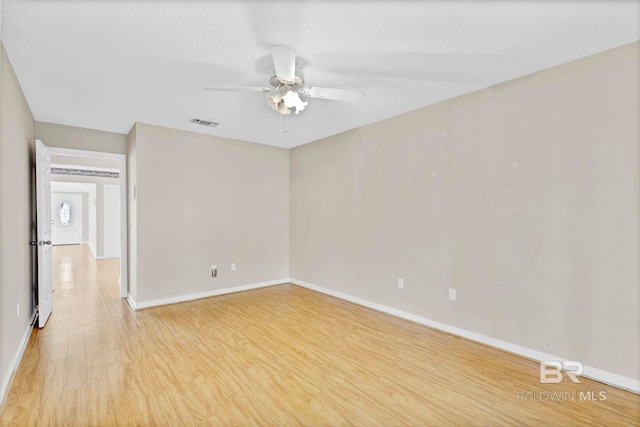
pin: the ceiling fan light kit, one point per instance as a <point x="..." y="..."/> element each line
<point x="287" y="84"/>
<point x="285" y="95"/>
<point x="283" y="103"/>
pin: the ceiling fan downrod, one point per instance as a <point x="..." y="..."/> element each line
<point x="286" y="121"/>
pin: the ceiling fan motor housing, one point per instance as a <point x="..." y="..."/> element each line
<point x="295" y="84"/>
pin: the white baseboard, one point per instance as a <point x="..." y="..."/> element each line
<point x="190" y="297"/>
<point x="93" y="251"/>
<point x="599" y="375"/>
<point x="131" y="302"/>
<point x="16" y="359"/>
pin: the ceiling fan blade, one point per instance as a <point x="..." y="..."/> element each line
<point x="238" y="89"/>
<point x="348" y="95"/>
<point x="284" y="61"/>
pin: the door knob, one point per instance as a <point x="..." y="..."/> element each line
<point x="48" y="242"/>
<point x="44" y="242"/>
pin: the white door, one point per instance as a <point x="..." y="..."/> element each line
<point x="66" y="218"/>
<point x="112" y="221"/>
<point x="43" y="203"/>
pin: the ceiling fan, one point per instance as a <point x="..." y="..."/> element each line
<point x="288" y="84"/>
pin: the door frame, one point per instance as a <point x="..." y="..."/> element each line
<point x="122" y="166"/>
<point x="104" y="207"/>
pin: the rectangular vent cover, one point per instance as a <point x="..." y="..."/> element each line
<point x="204" y="122"/>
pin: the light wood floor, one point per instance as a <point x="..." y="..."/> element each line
<point x="282" y="355"/>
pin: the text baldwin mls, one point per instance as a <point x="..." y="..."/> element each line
<point x="562" y="396"/>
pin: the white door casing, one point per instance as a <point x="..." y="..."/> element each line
<point x="112" y="224"/>
<point x="43" y="203"/>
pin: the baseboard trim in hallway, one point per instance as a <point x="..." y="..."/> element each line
<point x="600" y="375"/>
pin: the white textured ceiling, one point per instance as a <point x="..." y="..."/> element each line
<point x="107" y="64"/>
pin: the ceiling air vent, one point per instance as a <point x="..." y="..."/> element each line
<point x="204" y="122"/>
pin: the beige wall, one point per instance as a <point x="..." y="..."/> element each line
<point x="204" y="200"/>
<point x="61" y="136"/>
<point x="523" y="197"/>
<point x="16" y="166"/>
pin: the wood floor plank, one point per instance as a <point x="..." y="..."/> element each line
<point x="77" y="359"/>
<point x="49" y="406"/>
<point x="76" y="405"/>
<point x="282" y="355"/>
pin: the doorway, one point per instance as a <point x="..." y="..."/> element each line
<point x="109" y="177"/>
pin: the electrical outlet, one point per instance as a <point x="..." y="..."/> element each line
<point x="18" y="310"/>
<point x="452" y="294"/>
<point x="400" y="283"/>
<point x="233" y="266"/>
<point x="214" y="271"/>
